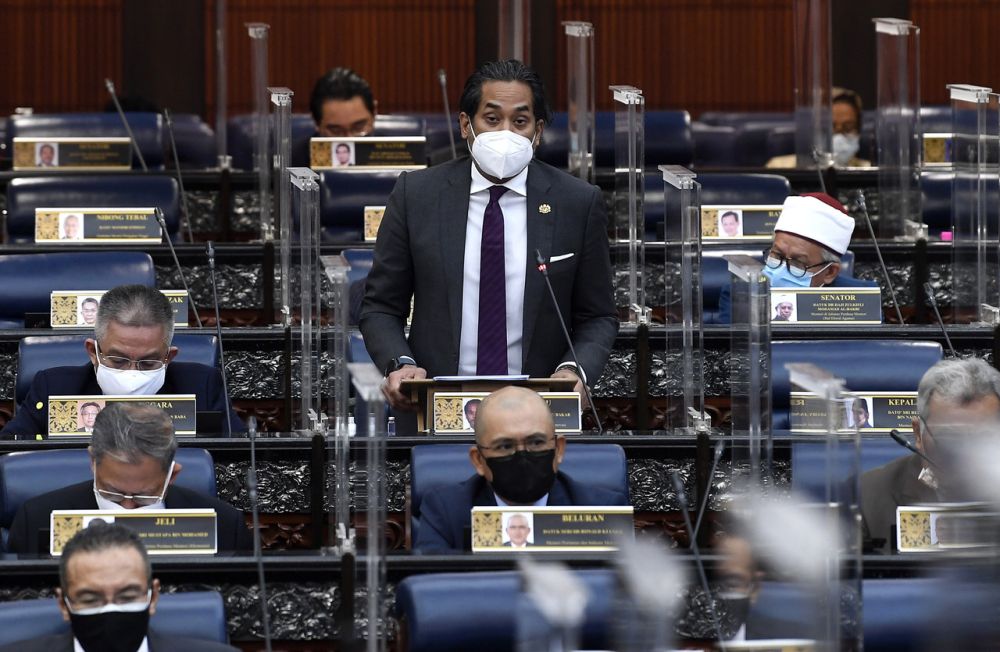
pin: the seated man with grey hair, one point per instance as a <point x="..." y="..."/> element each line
<point x="130" y="353"/>
<point x="954" y="397"/>
<point x="132" y="459"/>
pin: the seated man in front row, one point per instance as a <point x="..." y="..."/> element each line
<point x="811" y="236"/>
<point x="516" y="457"/>
<point x="129" y="354"/>
<point x="132" y="458"/>
<point x="107" y="593"/>
<point x="955" y="398"/>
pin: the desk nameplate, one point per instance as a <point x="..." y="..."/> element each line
<point x="77" y="226"/>
<point x="826" y="305"/>
<point x="870" y="411"/>
<point x="739" y="222"/>
<point x="69" y="415"/>
<point x="373" y="220"/>
<point x="944" y="527"/>
<point x="454" y="413"/>
<point x="72" y="154"/>
<point x="164" y="531"/>
<point x="368" y="152"/>
<point x="773" y="645"/>
<point x="552" y="529"/>
<point x="78" y="308"/>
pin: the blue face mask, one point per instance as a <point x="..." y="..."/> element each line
<point x="781" y="277"/>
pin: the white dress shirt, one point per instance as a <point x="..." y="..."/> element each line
<point x="514" y="204"/>
<point x="143" y="647"/>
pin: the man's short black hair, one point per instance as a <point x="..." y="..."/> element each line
<point x="510" y="70"/>
<point x="340" y="84"/>
<point x="90" y="300"/>
<point x="100" y="536"/>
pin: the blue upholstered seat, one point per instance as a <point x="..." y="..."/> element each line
<point x="343" y="197"/>
<point x="147" y="128"/>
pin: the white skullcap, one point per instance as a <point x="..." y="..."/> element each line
<point x="814" y="217"/>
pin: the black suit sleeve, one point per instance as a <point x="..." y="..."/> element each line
<point x="29" y="419"/>
<point x="217" y="401"/>
<point x="594" y="317"/>
<point x="434" y="533"/>
<point x="18" y="539"/>
<point x="390" y="284"/>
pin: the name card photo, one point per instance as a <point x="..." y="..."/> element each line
<point x="773" y="645"/>
<point x="826" y="305"/>
<point x="938" y="149"/>
<point x="935" y="528"/>
<point x="69" y="226"/>
<point x="736" y="222"/>
<point x="454" y="413"/>
<point x="111" y="153"/>
<point x="164" y="532"/>
<point x="550" y="529"/>
<point x="373" y="220"/>
<point x="869" y="411"/>
<point x="78" y="308"/>
<point x="370" y="152"/>
<point x="73" y="416"/>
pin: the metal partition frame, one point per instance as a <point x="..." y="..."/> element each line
<point x="897" y="128"/>
<point x="221" y="88"/>
<point x="305" y="204"/>
<point x="812" y="59"/>
<point x="514" y="30"/>
<point x="629" y="219"/>
<point x="336" y="269"/>
<point x="258" y="33"/>
<point x="281" y="99"/>
<point x="580" y="93"/>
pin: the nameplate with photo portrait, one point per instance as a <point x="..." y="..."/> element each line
<point x="78" y="308"/>
<point x="773" y="645"/>
<point x="938" y="149"/>
<point x="72" y="154"/>
<point x="454" y="413"/>
<point x="73" y="416"/>
<point x="373" y="220"/>
<point x="826" y="305"/>
<point x="550" y="529"/>
<point x="163" y="531"/>
<point x="944" y="527"/>
<point x="85" y="226"/>
<point x="369" y="153"/>
<point x="739" y="222"/>
<point x="870" y="412"/>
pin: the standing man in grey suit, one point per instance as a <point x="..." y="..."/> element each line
<point x="460" y="240"/>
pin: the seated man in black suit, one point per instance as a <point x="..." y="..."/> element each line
<point x="132" y="457"/>
<point x="955" y="399"/>
<point x="107" y="593"/>
<point x="516" y="457"/>
<point x="129" y="354"/>
<point x="342" y="105"/>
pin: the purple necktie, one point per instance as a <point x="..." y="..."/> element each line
<point x="491" y="353"/>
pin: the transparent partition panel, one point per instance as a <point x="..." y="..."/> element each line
<point x="973" y="284"/>
<point x="628" y="223"/>
<point x="514" y="29"/>
<point x="306" y="303"/>
<point x="281" y="100"/>
<point x="750" y="373"/>
<point x="336" y="271"/>
<point x="221" y="88"/>
<point x="897" y="128"/>
<point x="812" y="58"/>
<point x="367" y="381"/>
<point x="580" y="97"/>
<point x="685" y="329"/>
<point x="258" y="33"/>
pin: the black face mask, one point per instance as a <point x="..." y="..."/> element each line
<point x="111" y="631"/>
<point x="736" y="608"/>
<point x="523" y="477"/>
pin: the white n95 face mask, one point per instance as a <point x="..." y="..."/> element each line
<point x="845" y="147"/>
<point x="130" y="381"/>
<point x="501" y="154"/>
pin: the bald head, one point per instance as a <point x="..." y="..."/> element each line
<point x="509" y="407"/>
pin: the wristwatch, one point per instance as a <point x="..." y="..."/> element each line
<point x="397" y="363"/>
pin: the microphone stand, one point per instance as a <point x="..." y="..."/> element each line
<point x="257" y="545"/>
<point x="218" y="331"/>
<point x="180" y="178"/>
<point x="177" y="263"/>
<point x="110" y="85"/>
<point x="443" y="80"/>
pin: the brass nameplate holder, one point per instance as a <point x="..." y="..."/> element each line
<point x="869" y="411"/>
<point x="739" y="222"/>
<point x="551" y="529"/>
<point x="373" y="220"/>
<point x="826" y="305"/>
<point x="78" y="308"/>
<point x="68" y="415"/>
<point x="164" y="532"/>
<point x="938" y="149"/>
<point x="77" y="226"/>
<point x="72" y="154"/>
<point x="453" y="413"/>
<point x="370" y="153"/>
<point x="943" y="527"/>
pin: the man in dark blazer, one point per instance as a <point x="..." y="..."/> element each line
<point x="954" y="398"/>
<point x="459" y="239"/>
<point x="132" y="457"/>
<point x="516" y="458"/>
<point x="107" y="593"/>
<point x="129" y="354"/>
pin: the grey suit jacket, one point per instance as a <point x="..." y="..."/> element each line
<point x="420" y="253"/>
<point x="886" y="488"/>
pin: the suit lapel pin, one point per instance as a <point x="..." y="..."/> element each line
<point x="544" y="209"/>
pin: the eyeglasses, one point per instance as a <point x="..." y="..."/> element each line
<point x="506" y="447"/>
<point x="775" y="260"/>
<point x="128" y="599"/>
<point x="123" y="364"/>
<point x="138" y="499"/>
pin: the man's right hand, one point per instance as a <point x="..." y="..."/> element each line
<point x="391" y="391"/>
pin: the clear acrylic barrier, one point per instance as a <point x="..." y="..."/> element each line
<point x="628" y="221"/>
<point x="972" y="283"/>
<point x="514" y="30"/>
<point x="367" y="381"/>
<point x="750" y="371"/>
<point x="305" y="206"/>
<point x="221" y="88"/>
<point x="336" y="270"/>
<point x="580" y="94"/>
<point x="682" y="261"/>
<point x="281" y="99"/>
<point x="812" y="57"/>
<point x="897" y="128"/>
<point x="258" y="33"/>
